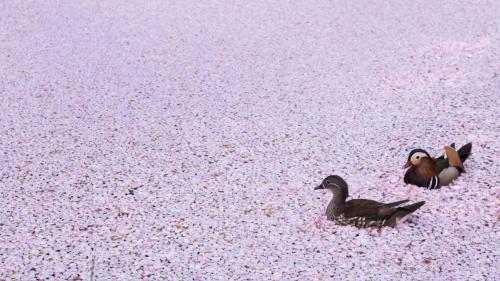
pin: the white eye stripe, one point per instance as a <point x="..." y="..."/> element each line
<point x="417" y="156"/>
<point x="331" y="183"/>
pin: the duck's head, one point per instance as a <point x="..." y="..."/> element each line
<point x="336" y="185"/>
<point x="415" y="157"/>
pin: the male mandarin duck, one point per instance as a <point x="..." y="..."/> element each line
<point x="362" y="213"/>
<point x="432" y="173"/>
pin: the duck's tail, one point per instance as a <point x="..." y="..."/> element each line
<point x="402" y="212"/>
<point x="465" y="151"/>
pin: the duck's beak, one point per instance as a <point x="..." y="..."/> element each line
<point x="319" y="187"/>
<point x="407" y="165"/>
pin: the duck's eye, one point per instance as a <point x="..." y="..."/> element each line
<point x="328" y="182"/>
<point x="418" y="157"/>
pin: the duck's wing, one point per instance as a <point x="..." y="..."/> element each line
<point x="464" y="152"/>
<point x="402" y="212"/>
<point x="373" y="213"/>
<point x="368" y="209"/>
<point x="395" y="204"/>
<point x="441" y="163"/>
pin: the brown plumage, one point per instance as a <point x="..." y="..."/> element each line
<point x="433" y="173"/>
<point x="427" y="168"/>
<point x="362" y="212"/>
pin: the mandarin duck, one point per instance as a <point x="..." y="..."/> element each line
<point x="362" y="213"/>
<point x="432" y="173"/>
